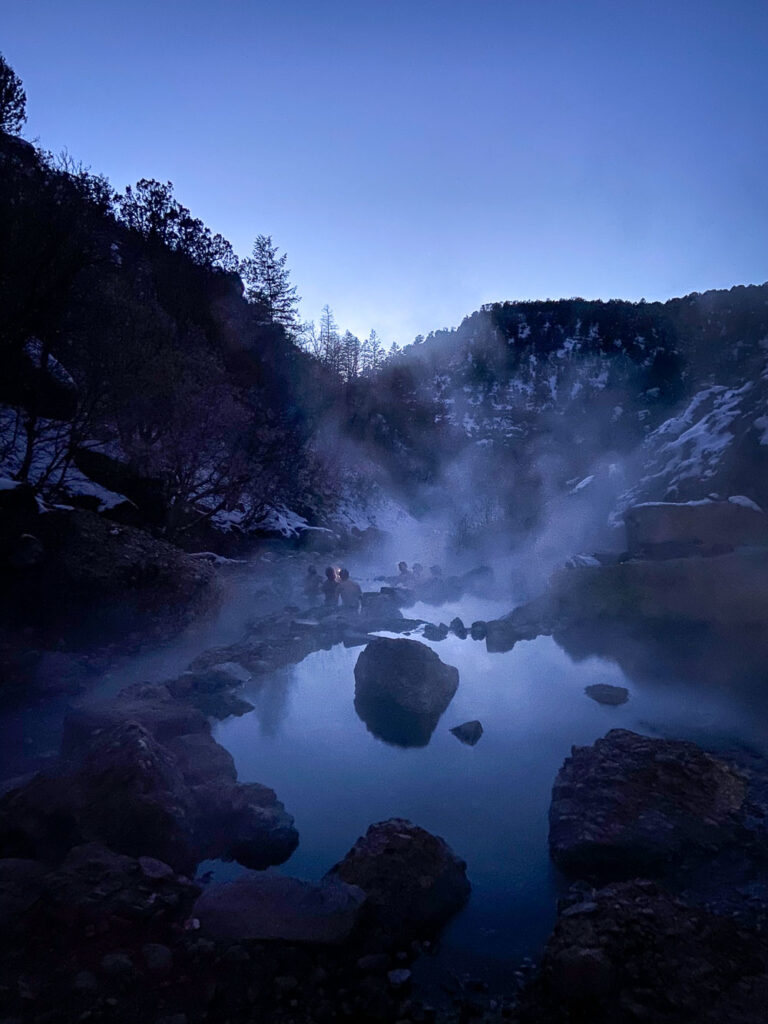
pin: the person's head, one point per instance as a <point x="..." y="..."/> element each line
<point x="311" y="571"/>
<point x="402" y="566"/>
<point x="344" y="574"/>
<point x="330" y="572"/>
<point x="418" y="568"/>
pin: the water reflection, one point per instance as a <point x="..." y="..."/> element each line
<point x="490" y="802"/>
<point x="392" y="723"/>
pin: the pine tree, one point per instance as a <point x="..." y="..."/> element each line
<point x="13" y="100"/>
<point x="351" y="356"/>
<point x="375" y="352"/>
<point x="330" y="341"/>
<point x="267" y="280"/>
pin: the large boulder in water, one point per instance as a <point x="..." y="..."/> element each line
<point x="265" y="907"/>
<point x="401" y="690"/>
<point x="632" y="805"/>
<point x="413" y="880"/>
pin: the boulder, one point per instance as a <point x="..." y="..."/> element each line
<point x="265" y="907"/>
<point x="469" y="732"/>
<point x="95" y="883"/>
<point x="153" y="707"/>
<point x="413" y="880"/>
<point x="478" y="630"/>
<point x="726" y="591"/>
<point x="526" y="622"/>
<point x="458" y="628"/>
<point x="21" y="886"/>
<point x="177" y="801"/>
<point x="632" y="805"/>
<point x="96" y="576"/>
<point x="603" y="693"/>
<point x="435" y="633"/>
<point x="401" y="690"/>
<point x="677" y="530"/>
<point x="632" y="952"/>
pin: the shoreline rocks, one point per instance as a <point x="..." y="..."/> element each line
<point x="414" y="882"/>
<point x="630" y="805"/>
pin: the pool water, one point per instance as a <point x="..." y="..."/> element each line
<point x="489" y="802"/>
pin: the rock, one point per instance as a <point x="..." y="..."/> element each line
<point x="526" y="622"/>
<point x="399" y="977"/>
<point x="153" y="707"/>
<point x="85" y="983"/>
<point x="468" y="732"/>
<point x="27" y="552"/>
<point x="99" y="576"/>
<point x="432" y="632"/>
<point x="177" y="802"/>
<point x="478" y="630"/>
<point x="401" y="690"/>
<point x="157" y="957"/>
<point x="244" y="822"/>
<point x="212" y="692"/>
<point x="727" y="592"/>
<point x="94" y="884"/>
<point x="458" y="628"/>
<point x="633" y="805"/>
<point x="603" y="693"/>
<point x="677" y="530"/>
<point x="117" y="966"/>
<point x="374" y="963"/>
<point x="21" y="886"/>
<point x="413" y="880"/>
<point x="643" y="955"/>
<point x="266" y="907"/>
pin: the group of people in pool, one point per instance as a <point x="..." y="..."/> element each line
<point x="337" y="587"/>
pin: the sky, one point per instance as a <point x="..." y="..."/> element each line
<point x="417" y="159"/>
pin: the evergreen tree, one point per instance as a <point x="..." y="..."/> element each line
<point x="374" y="353"/>
<point x="13" y="100"/>
<point x="351" y="356"/>
<point x="330" y="340"/>
<point x="267" y="280"/>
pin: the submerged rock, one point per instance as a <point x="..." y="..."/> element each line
<point x="413" y="880"/>
<point x="401" y="690"/>
<point x="603" y="693"/>
<point x="630" y="804"/>
<point x="264" y="907"/>
<point x="468" y="732"/>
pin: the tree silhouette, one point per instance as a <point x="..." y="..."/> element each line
<point x="13" y="100"/>
<point x="267" y="279"/>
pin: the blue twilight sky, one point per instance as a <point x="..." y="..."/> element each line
<point x="416" y="159"/>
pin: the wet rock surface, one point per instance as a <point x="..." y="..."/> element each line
<point x="468" y="732"/>
<point x="632" y="952"/>
<point x="413" y="880"/>
<point x="401" y="690"/>
<point x="630" y="804"/>
<point x="143" y="775"/>
<point x="603" y="693"/>
<point x="263" y="906"/>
